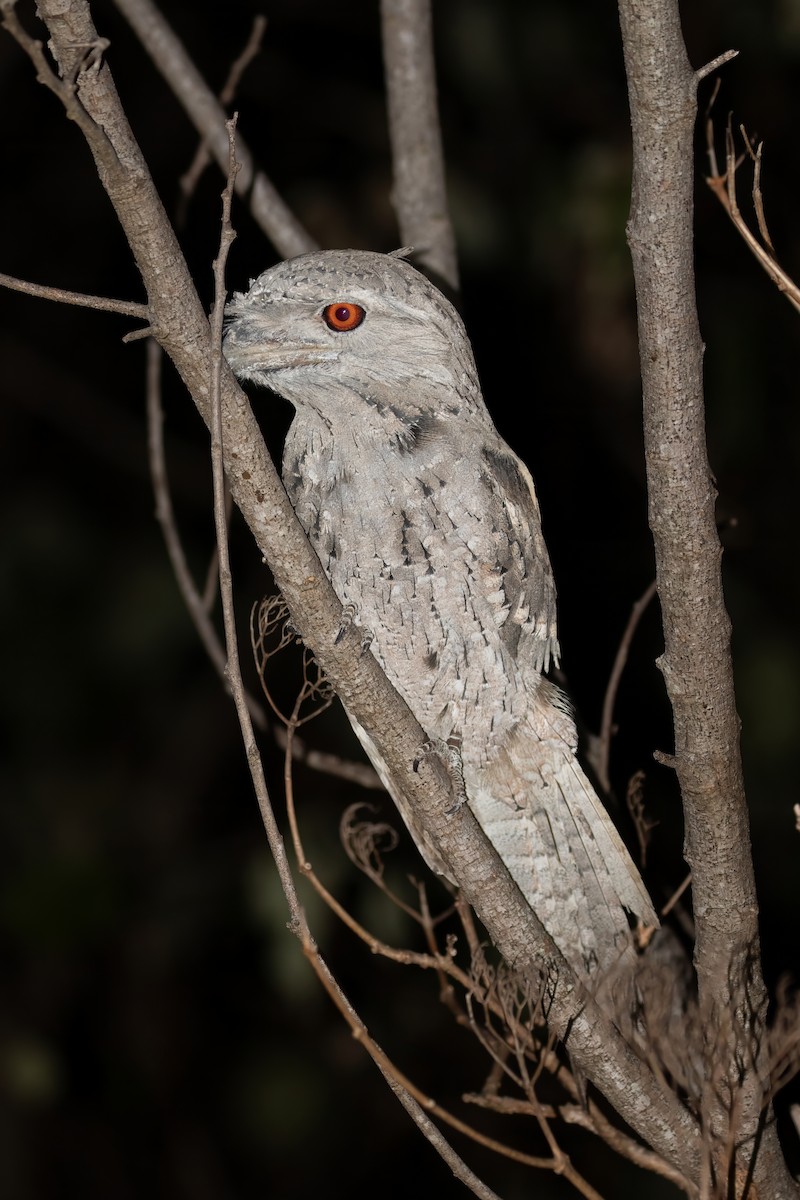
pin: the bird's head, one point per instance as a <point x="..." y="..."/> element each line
<point x="337" y="329"/>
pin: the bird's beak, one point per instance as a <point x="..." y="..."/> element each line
<point x="252" y="349"/>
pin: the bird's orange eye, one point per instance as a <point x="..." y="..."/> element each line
<point x="343" y="315"/>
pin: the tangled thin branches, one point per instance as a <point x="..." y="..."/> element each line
<point x="504" y="1011"/>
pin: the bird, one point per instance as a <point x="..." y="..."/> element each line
<point x="428" y="526"/>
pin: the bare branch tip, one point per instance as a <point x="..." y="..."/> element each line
<point x="138" y="335"/>
<point x="714" y="65"/>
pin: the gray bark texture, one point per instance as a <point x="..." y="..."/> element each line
<point x="696" y="663"/>
<point x="419" y="191"/>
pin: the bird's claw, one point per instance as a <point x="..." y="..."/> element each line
<point x="450" y="754"/>
<point x="367" y="641"/>
<point x="346" y="620"/>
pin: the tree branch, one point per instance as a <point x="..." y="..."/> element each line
<point x="165" y="515"/>
<point x="603" y="754"/>
<point x="169" y="55"/>
<point x="419" y="192"/>
<point x="128" y="308"/>
<point x="202" y="157"/>
<point x="399" y="1086"/>
<point x="696" y="663"/>
<point x="724" y="188"/>
<point x="180" y="325"/>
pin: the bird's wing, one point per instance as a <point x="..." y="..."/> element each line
<point x="526" y="578"/>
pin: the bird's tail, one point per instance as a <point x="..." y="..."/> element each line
<point x="547" y="823"/>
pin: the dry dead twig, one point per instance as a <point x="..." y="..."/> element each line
<point x="603" y="752"/>
<point x="169" y="56"/>
<point x="191" y="176"/>
<point x="723" y="185"/>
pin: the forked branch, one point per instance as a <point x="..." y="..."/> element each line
<point x="723" y="185"/>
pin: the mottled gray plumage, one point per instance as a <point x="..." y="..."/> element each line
<point x="428" y="527"/>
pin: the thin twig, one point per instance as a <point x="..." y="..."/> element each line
<point x="434" y="961"/>
<point x="563" y="1160"/>
<point x="188" y="184"/>
<point x="758" y="201"/>
<point x="715" y="64"/>
<point x="165" y="515"/>
<point x="361" y="774"/>
<point x="189" y="180"/>
<point x="447" y="993"/>
<point x="169" y="55"/>
<point x="63" y="86"/>
<point x="594" y="1120"/>
<point x="211" y="589"/>
<point x="233" y="669"/>
<point x="621" y="657"/>
<point x="676" y="895"/>
<point x="264" y="618"/>
<point x="437" y="1140"/>
<point x="724" y="188"/>
<point x="128" y="308"/>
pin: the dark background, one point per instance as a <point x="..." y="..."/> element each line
<point x="160" y="1032"/>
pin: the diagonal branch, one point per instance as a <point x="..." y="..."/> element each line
<point x="180" y="325"/>
<point x="399" y="1085"/>
<point x="202" y="157"/>
<point x="169" y="55"/>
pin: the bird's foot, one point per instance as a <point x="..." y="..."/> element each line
<point x="348" y="618"/>
<point x="367" y="640"/>
<point x="450" y="753"/>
